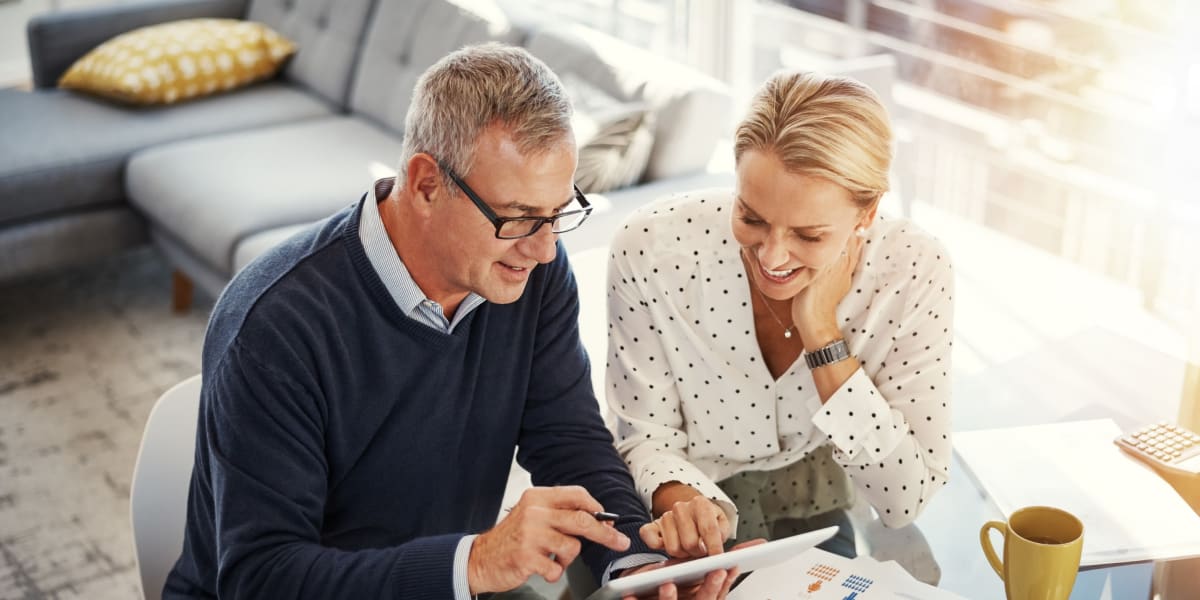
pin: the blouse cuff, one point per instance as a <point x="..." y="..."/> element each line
<point x="857" y="419"/>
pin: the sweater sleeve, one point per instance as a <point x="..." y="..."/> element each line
<point x="563" y="439"/>
<point x="262" y="442"/>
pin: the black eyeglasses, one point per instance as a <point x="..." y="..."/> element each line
<point x="511" y="228"/>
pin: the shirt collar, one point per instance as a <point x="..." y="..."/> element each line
<point x="387" y="264"/>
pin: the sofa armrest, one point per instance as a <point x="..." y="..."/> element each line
<point x="57" y="40"/>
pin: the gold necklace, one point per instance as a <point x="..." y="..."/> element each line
<point x="787" y="331"/>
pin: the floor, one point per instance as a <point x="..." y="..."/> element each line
<point x="85" y="353"/>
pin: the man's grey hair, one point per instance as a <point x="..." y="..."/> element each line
<point x="474" y="87"/>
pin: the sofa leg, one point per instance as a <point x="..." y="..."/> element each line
<point x="181" y="292"/>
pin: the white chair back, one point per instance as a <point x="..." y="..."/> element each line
<point x="158" y="495"/>
<point x="591" y="275"/>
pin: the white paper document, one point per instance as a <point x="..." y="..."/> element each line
<point x="1129" y="513"/>
<point x="820" y="575"/>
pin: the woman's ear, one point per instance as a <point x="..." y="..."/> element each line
<point x="866" y="217"/>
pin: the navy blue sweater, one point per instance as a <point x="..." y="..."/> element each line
<point x="343" y="449"/>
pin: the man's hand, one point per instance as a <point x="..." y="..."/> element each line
<point x="538" y="536"/>
<point x="715" y="586"/>
<point x="691" y="528"/>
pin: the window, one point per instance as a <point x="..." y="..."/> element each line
<point x="1063" y="124"/>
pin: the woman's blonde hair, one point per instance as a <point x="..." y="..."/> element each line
<point x="822" y="126"/>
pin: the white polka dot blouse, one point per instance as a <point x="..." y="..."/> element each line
<point x="694" y="401"/>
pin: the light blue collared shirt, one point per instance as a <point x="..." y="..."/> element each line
<point x="417" y="306"/>
<point x="396" y="278"/>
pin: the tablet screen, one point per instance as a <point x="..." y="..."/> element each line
<point x="746" y="559"/>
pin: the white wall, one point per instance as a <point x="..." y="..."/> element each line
<point x="14" y="51"/>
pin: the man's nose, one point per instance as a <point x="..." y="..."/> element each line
<point x="541" y="246"/>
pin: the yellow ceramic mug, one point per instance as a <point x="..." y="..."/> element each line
<point x="1042" y="546"/>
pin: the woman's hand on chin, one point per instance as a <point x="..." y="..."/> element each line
<point x="814" y="309"/>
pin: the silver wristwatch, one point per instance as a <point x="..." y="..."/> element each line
<point x="829" y="354"/>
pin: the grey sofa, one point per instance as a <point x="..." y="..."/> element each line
<point x="216" y="181"/>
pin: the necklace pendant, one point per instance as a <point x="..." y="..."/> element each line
<point x="787" y="333"/>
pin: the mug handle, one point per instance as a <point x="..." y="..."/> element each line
<point x="988" y="550"/>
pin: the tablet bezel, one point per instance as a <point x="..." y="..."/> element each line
<point x="692" y="571"/>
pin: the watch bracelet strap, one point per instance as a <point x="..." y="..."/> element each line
<point x="830" y="353"/>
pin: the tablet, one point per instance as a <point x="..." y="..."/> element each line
<point x="692" y="571"/>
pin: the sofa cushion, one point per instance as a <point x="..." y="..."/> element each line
<point x="169" y="62"/>
<point x="58" y="38"/>
<point x="405" y="38"/>
<point x="615" y="154"/>
<point x="692" y="110"/>
<point x="251" y="247"/>
<point x="211" y="193"/>
<point x="61" y="151"/>
<point x="614" y="137"/>
<point x="328" y="33"/>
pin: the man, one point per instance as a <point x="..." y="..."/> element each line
<point x="366" y="383"/>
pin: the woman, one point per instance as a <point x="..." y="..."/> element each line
<point x="775" y="346"/>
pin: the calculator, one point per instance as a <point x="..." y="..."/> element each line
<point x="1164" y="446"/>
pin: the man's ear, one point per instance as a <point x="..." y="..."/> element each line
<point x="422" y="179"/>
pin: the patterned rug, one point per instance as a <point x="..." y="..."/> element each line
<point x="84" y="355"/>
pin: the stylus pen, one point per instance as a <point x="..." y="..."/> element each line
<point x="599" y="516"/>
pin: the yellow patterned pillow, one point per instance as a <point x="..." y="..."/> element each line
<point x="167" y="63"/>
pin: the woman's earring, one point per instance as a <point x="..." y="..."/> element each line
<point x="861" y="232"/>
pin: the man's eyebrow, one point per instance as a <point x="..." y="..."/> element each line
<point x="805" y="228"/>
<point x="525" y="208"/>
